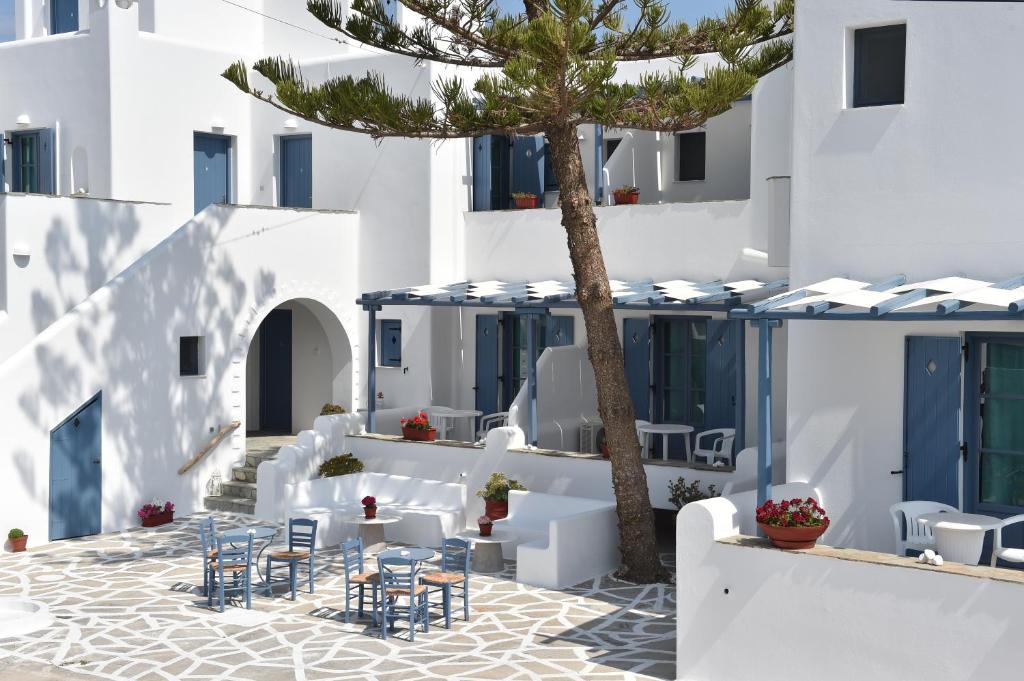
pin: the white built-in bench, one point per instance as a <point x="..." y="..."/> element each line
<point x="560" y="541"/>
<point x="430" y="509"/>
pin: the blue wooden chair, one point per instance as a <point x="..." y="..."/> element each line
<point x="234" y="562"/>
<point x="356" y="578"/>
<point x="398" y="579"/>
<point x="208" y="538"/>
<point x="454" y="574"/>
<point x="301" y="552"/>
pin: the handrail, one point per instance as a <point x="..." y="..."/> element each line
<point x="210" y="446"/>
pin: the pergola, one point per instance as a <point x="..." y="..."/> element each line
<point x="535" y="299"/>
<point x="891" y="300"/>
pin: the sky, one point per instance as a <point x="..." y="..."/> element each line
<point x="690" y="10"/>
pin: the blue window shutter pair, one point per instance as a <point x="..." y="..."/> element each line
<point x="34" y="162"/>
<point x="47" y="161"/>
<point x="390" y="343"/>
<point x="528" y="165"/>
<point x="482" y="173"/>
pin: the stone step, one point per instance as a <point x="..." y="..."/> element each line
<point x="254" y="459"/>
<point x="230" y="504"/>
<point x="235" y="488"/>
<point x="244" y="473"/>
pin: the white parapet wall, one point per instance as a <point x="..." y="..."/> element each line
<point x="749" y="611"/>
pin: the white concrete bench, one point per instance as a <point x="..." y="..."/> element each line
<point x="560" y="541"/>
<point x="430" y="509"/>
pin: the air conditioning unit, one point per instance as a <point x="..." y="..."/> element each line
<point x="591" y="437"/>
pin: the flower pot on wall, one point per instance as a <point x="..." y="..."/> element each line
<point x="793" y="537"/>
<point x="158" y="519"/>
<point x="496" y="510"/>
<point x="485" y="529"/>
<point x="420" y="434"/>
<point x="625" y="198"/>
<point x="370" y="512"/>
<point x="525" y="201"/>
<point x="19" y="544"/>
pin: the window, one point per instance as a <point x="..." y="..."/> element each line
<point x="63" y="16"/>
<point x="879" y="65"/>
<point x="610" y="145"/>
<point x="681" y="370"/>
<point x="390" y="343"/>
<point x="190" y="356"/>
<point x="1001" y="464"/>
<point x="690" y="156"/>
<point x="32" y="162"/>
<point x="549" y="331"/>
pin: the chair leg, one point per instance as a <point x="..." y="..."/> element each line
<point x="374" y="589"/>
<point x="292" y="569"/>
<point x="413" y="609"/>
<point x="248" y="590"/>
<point x="465" y="600"/>
<point x="362" y="597"/>
<point x="221" y="580"/>
<point x="423" y="609"/>
<point x="311" y="574"/>
<point x="446" y="599"/>
<point x="269" y="575"/>
<point x="348" y="601"/>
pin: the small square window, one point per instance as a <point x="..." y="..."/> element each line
<point x="190" y="355"/>
<point x="390" y="343"/>
<point x="690" y="156"/>
<point x="879" y="65"/>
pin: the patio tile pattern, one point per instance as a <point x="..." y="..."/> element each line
<point x="125" y="607"/>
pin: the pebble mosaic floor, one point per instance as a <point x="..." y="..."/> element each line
<point x="125" y="606"/>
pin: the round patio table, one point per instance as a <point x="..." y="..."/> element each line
<point x="487" y="555"/>
<point x="453" y="416"/>
<point x="371" y="530"/>
<point x="263" y="536"/>
<point x="959" y="536"/>
<point x="411" y="553"/>
<point x="665" y="430"/>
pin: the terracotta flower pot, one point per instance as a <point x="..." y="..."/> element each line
<point x="793" y="537"/>
<point x="625" y="198"/>
<point x="496" y="510"/>
<point x="19" y="544"/>
<point x="370" y="512"/>
<point x="525" y="201"/>
<point x="419" y="435"/>
<point x="485" y="529"/>
<point x="158" y="519"/>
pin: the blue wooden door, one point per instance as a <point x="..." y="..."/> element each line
<point x="636" y="348"/>
<point x="528" y="165"/>
<point x="297" y="171"/>
<point x="931" y="419"/>
<point x="276" y="372"/>
<point x="486" y="363"/>
<point x="63" y="16"/>
<point x="724" y="338"/>
<point x="482" y="173"/>
<point x="76" y="474"/>
<point x="211" y="169"/>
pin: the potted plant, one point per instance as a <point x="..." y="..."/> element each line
<point x="19" y="539"/>
<point x="680" y="493"/>
<point x="369" y="507"/>
<point x="329" y="409"/>
<point x="626" y="194"/>
<point x="486" y="525"/>
<point x="418" y="428"/>
<point x="495" y="495"/>
<point x="792" y="523"/>
<point x="524" y="199"/>
<point x="156" y="513"/>
<point x="343" y="464"/>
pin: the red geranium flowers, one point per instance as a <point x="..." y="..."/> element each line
<point x="792" y="513"/>
<point x="369" y="501"/>
<point x="418" y="422"/>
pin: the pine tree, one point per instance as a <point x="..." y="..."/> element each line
<point x="547" y="71"/>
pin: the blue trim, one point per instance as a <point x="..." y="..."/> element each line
<point x="764" y="407"/>
<point x="371" y="372"/>
<point x="531" y="375"/>
<point x="741" y="389"/>
<point x="899" y="301"/>
<point x="598" y="163"/>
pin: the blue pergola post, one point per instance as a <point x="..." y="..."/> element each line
<point x="531" y="375"/>
<point x="764" y="407"/>
<point x="598" y="164"/>
<point x="371" y="370"/>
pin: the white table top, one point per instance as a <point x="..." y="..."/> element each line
<point x="381" y="519"/>
<point x="960" y="521"/>
<point x="497" y="536"/>
<point x="665" y="428"/>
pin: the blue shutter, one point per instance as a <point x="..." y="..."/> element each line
<point x="724" y="338"/>
<point x="931" y="417"/>
<point x="297" y="171"/>
<point x="63" y="16"/>
<point x="390" y="7"/>
<point x="487" y="363"/>
<point x="3" y="164"/>
<point x="76" y="474"/>
<point x="482" y="173"/>
<point x="558" y="331"/>
<point x="636" y="347"/>
<point x="47" y="161"/>
<point x="528" y="164"/>
<point x="390" y="343"/>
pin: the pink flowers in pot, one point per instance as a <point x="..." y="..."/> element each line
<point x="369" y="507"/>
<point x="486" y="525"/>
<point x="154" y="508"/>
<point x="369" y="501"/>
<point x="792" y="513"/>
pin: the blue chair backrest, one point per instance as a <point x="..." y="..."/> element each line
<point x="398" y="573"/>
<point x="455" y="556"/>
<point x="234" y="548"/>
<point x="207" y="534"/>
<point x="352" y="556"/>
<point x="302" y="534"/>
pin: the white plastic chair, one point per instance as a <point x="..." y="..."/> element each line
<point x="642" y="437"/>
<point x="435" y="415"/>
<point x="999" y="551"/>
<point x="721" y="445"/>
<point x="488" y="421"/>
<point x="919" y="535"/>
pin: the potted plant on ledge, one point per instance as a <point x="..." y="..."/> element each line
<point x="418" y="428"/>
<point x="495" y="495"/>
<point x="19" y="539"/>
<point x="627" y="194"/>
<point x="486" y="525"/>
<point x="369" y="507"/>
<point x="792" y="523"/>
<point x="156" y="513"/>
<point x="524" y="200"/>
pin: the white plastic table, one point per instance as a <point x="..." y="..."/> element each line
<point x="371" y="530"/>
<point x="665" y="430"/>
<point x="444" y="417"/>
<point x="487" y="550"/>
<point x="959" y="536"/>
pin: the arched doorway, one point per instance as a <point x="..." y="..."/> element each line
<point x="299" y="359"/>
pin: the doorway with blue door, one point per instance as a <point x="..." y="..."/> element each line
<point x="211" y="166"/>
<point x="505" y="165"/>
<point x="63" y="16"/>
<point x="76" y="473"/>
<point x="296" y="171"/>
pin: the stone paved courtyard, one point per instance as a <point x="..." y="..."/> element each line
<point x="125" y="607"/>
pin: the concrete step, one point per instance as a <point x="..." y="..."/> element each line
<point x="230" y="504"/>
<point x="235" y="488"/>
<point x="244" y="473"/>
<point x="254" y="459"/>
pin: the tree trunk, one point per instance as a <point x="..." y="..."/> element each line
<point x="640" y="560"/>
